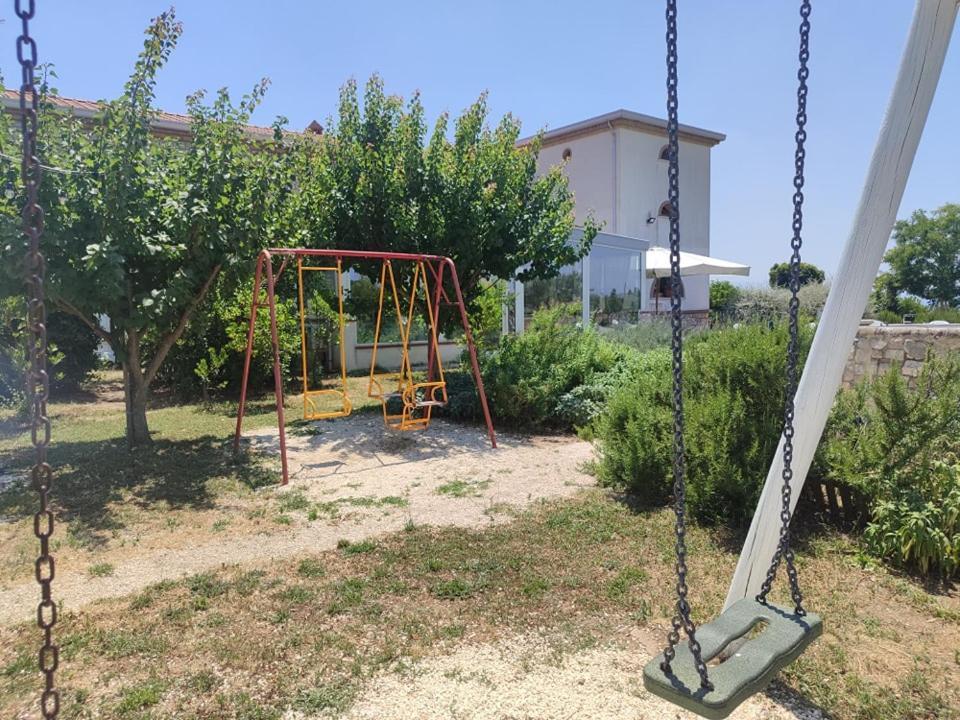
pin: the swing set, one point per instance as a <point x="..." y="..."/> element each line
<point x="407" y="401"/>
<point x="748" y="659"/>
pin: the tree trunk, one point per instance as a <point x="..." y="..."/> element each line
<point x="135" y="390"/>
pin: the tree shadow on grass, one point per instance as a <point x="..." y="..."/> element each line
<point x="95" y="480"/>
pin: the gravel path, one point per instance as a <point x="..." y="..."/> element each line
<point x="524" y="678"/>
<point x="446" y="476"/>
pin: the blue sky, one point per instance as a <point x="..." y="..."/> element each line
<point x="552" y="63"/>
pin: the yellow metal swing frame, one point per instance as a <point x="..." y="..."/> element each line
<point x="311" y="409"/>
<point x="418" y="399"/>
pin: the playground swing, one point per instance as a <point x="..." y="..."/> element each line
<point x="311" y="408"/>
<point x="417" y="399"/>
<point x="676" y="673"/>
<point x="753" y="639"/>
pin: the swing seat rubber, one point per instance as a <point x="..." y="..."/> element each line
<point x="748" y="671"/>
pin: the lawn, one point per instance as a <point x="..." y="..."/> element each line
<point x="311" y="631"/>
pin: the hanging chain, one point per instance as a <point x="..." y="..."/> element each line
<point x="38" y="381"/>
<point x="681" y="620"/>
<point x="784" y="550"/>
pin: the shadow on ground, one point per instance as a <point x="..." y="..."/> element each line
<point x="91" y="478"/>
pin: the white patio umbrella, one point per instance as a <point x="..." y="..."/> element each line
<point x="658" y="264"/>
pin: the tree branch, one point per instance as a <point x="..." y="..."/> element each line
<point x="171" y="338"/>
<point x="94" y="326"/>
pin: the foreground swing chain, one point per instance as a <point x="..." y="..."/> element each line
<point x="38" y="380"/>
<point x="681" y="619"/>
<point x="784" y="551"/>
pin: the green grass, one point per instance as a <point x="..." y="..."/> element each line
<point x="100" y="570"/>
<point x="315" y="629"/>
<point x="460" y="488"/>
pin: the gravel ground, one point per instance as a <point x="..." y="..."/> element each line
<point x="524" y="678"/>
<point x="448" y="475"/>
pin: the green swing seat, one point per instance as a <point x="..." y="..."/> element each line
<point x="748" y="671"/>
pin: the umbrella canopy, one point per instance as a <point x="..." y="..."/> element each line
<point x="658" y="264"/>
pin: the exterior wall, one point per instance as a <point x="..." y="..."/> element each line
<point x="590" y="170"/>
<point x="616" y="174"/>
<point x="359" y="355"/>
<point x="643" y="179"/>
<point x="877" y="347"/>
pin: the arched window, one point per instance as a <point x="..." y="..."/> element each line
<point x="567" y="154"/>
<point x="665" y="152"/>
<point x="665" y="209"/>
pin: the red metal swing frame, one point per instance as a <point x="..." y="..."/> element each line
<point x="438" y="265"/>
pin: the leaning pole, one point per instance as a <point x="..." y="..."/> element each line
<point x="916" y="83"/>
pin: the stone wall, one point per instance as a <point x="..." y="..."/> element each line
<point x="878" y="347"/>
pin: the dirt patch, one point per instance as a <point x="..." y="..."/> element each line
<point x="526" y="677"/>
<point x="351" y="479"/>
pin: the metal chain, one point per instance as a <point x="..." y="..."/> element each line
<point x="784" y="551"/>
<point x="38" y="381"/>
<point x="682" y="617"/>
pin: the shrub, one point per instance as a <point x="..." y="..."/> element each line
<point x="647" y="335"/>
<point x="899" y="446"/>
<point x="532" y="380"/>
<point x="723" y="297"/>
<point x="772" y="304"/>
<point x="734" y="393"/>
<point x="72" y="350"/>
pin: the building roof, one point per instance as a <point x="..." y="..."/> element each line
<point x="628" y="119"/>
<point x="164" y="123"/>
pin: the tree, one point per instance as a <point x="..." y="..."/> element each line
<point x="809" y="275"/>
<point x="723" y="296"/>
<point x="925" y="260"/>
<point x="475" y="196"/>
<point x="138" y="229"/>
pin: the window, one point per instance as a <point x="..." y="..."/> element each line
<point x="567" y="154"/>
<point x="665" y="209"/>
<point x="665" y="152"/>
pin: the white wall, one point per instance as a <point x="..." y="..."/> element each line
<point x="590" y="170"/>
<point x="616" y="173"/>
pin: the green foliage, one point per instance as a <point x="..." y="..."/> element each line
<point x="899" y="445"/>
<point x="723" y="297"/>
<point x="647" y="335"/>
<point x="734" y="394"/>
<point x="140" y="227"/>
<point x="771" y="305"/>
<point x="384" y="183"/>
<point x="534" y="379"/>
<point x="809" y="275"/>
<point x="72" y="351"/>
<point x="925" y="261"/>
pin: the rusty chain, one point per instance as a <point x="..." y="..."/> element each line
<point x="37" y="379"/>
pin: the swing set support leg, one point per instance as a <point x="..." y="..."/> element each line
<point x="265" y="261"/>
<point x="472" y="348"/>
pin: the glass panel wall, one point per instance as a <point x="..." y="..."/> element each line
<point x="616" y="285"/>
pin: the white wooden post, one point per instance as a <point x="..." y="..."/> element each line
<point x="893" y="155"/>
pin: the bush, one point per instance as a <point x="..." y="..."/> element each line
<point x="734" y="394"/>
<point x="646" y="335"/>
<point x="723" y="297"/>
<point x="899" y="446"/>
<point x="72" y="351"/>
<point x="533" y="380"/>
<point x="773" y="304"/>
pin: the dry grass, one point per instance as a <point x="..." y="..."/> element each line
<point x="307" y="633"/>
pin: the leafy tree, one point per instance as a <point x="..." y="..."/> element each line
<point x="474" y="196"/>
<point x="809" y="275"/>
<point x="925" y="260"/>
<point x="138" y="228"/>
<point x="723" y="296"/>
